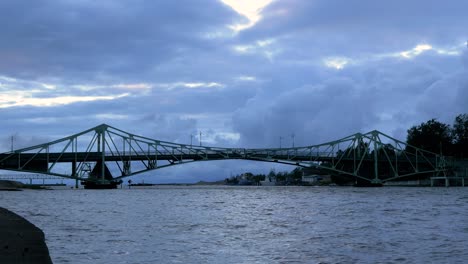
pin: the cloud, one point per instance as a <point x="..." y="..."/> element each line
<point x="18" y="140"/>
<point x="22" y="99"/>
<point x="389" y="94"/>
<point x="319" y="69"/>
<point x="464" y="58"/>
<point x="98" y="41"/>
<point x="447" y="97"/>
<point x="250" y="9"/>
<point x="313" y="113"/>
<point x="393" y="20"/>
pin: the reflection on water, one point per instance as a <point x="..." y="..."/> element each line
<point x="250" y="224"/>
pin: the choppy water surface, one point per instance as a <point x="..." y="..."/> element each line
<point x="250" y="224"/>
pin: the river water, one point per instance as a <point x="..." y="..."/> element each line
<point x="229" y="224"/>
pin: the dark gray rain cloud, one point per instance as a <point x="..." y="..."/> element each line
<point x="103" y="40"/>
<point x="364" y="25"/>
<point x="389" y="95"/>
<point x="336" y="106"/>
<point x="320" y="70"/>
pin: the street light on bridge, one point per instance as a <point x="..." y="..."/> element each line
<point x="292" y="137"/>
<point x="13" y="139"/>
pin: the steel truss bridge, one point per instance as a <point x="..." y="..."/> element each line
<point x="105" y="155"/>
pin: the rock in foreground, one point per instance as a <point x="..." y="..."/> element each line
<point x="21" y="241"/>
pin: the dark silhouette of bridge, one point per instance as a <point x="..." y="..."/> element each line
<point x="103" y="155"/>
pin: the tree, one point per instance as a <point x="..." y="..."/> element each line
<point x="460" y="135"/>
<point x="296" y="174"/>
<point x="432" y="136"/>
<point x="258" y="178"/>
<point x="385" y="151"/>
<point x="248" y="176"/>
<point x="281" y="176"/>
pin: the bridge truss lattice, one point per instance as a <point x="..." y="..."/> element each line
<point x="105" y="153"/>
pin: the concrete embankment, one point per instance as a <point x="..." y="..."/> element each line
<point x="6" y="185"/>
<point x="21" y="241"/>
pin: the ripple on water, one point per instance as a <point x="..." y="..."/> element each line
<point x="250" y="225"/>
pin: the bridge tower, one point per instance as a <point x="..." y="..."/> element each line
<point x="376" y="181"/>
<point x="100" y="177"/>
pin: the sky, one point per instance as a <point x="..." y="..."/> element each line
<point x="244" y="73"/>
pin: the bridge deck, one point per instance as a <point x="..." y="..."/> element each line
<point x="97" y="156"/>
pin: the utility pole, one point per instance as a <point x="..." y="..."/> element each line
<point x="280" y="138"/>
<point x="191" y="140"/>
<point x="292" y="137"/>
<point x="200" y="138"/>
<point x="12" y="139"/>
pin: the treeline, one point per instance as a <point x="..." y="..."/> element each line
<point x="290" y="178"/>
<point x="437" y="137"/>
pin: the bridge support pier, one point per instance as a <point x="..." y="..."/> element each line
<point x="101" y="184"/>
<point x="74" y="173"/>
<point x="376" y="183"/>
<point x="97" y="180"/>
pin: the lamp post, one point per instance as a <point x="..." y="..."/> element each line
<point x="12" y="138"/>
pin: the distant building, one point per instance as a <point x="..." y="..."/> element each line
<point x="312" y="178"/>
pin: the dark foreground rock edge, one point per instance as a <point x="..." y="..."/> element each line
<point x="21" y="241"/>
